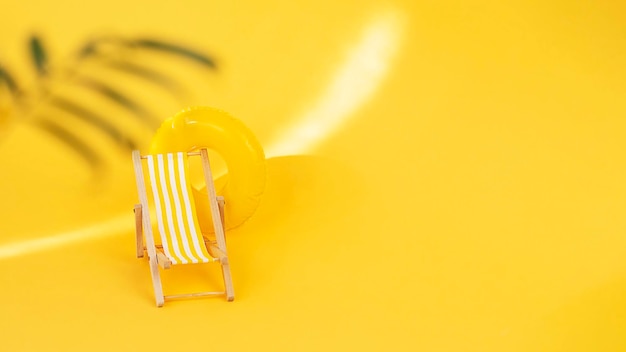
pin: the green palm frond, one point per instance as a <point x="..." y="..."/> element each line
<point x="116" y="97"/>
<point x="38" y="54"/>
<point x="95" y="120"/>
<point x="69" y="138"/>
<point x="174" y="49"/>
<point x="7" y="80"/>
<point x="94" y="48"/>
<point x="147" y="74"/>
<point x="106" y="53"/>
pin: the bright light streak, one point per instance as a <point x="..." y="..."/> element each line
<point x="356" y="80"/>
<point x="111" y="227"/>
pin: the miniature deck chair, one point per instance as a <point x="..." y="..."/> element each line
<point x="181" y="239"/>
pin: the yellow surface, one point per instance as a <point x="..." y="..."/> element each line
<point x="466" y="193"/>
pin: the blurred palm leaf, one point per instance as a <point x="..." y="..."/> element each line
<point x="38" y="55"/>
<point x="57" y="113"/>
<point x="94" y="119"/>
<point x="146" y="73"/>
<point x="92" y="48"/>
<point x="69" y="138"/>
<point x="116" y="97"/>
<point x="7" y="80"/>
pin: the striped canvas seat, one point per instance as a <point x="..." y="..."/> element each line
<point x="177" y="222"/>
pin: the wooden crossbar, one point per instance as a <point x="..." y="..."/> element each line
<point x="188" y="154"/>
<point x="195" y="295"/>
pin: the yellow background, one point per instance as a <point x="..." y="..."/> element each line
<point x="474" y="200"/>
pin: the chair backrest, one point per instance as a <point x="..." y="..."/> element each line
<point x="177" y="222"/>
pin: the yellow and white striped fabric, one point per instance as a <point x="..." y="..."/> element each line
<point x="175" y="210"/>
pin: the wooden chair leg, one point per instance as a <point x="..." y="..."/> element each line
<point x="216" y="215"/>
<point x="156" y="282"/>
<point x="139" y="230"/>
<point x="228" y="283"/>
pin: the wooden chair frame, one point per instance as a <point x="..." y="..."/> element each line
<point x="157" y="257"/>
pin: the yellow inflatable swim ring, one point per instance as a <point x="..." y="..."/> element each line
<point x="216" y="130"/>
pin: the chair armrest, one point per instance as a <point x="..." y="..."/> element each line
<point x="218" y="253"/>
